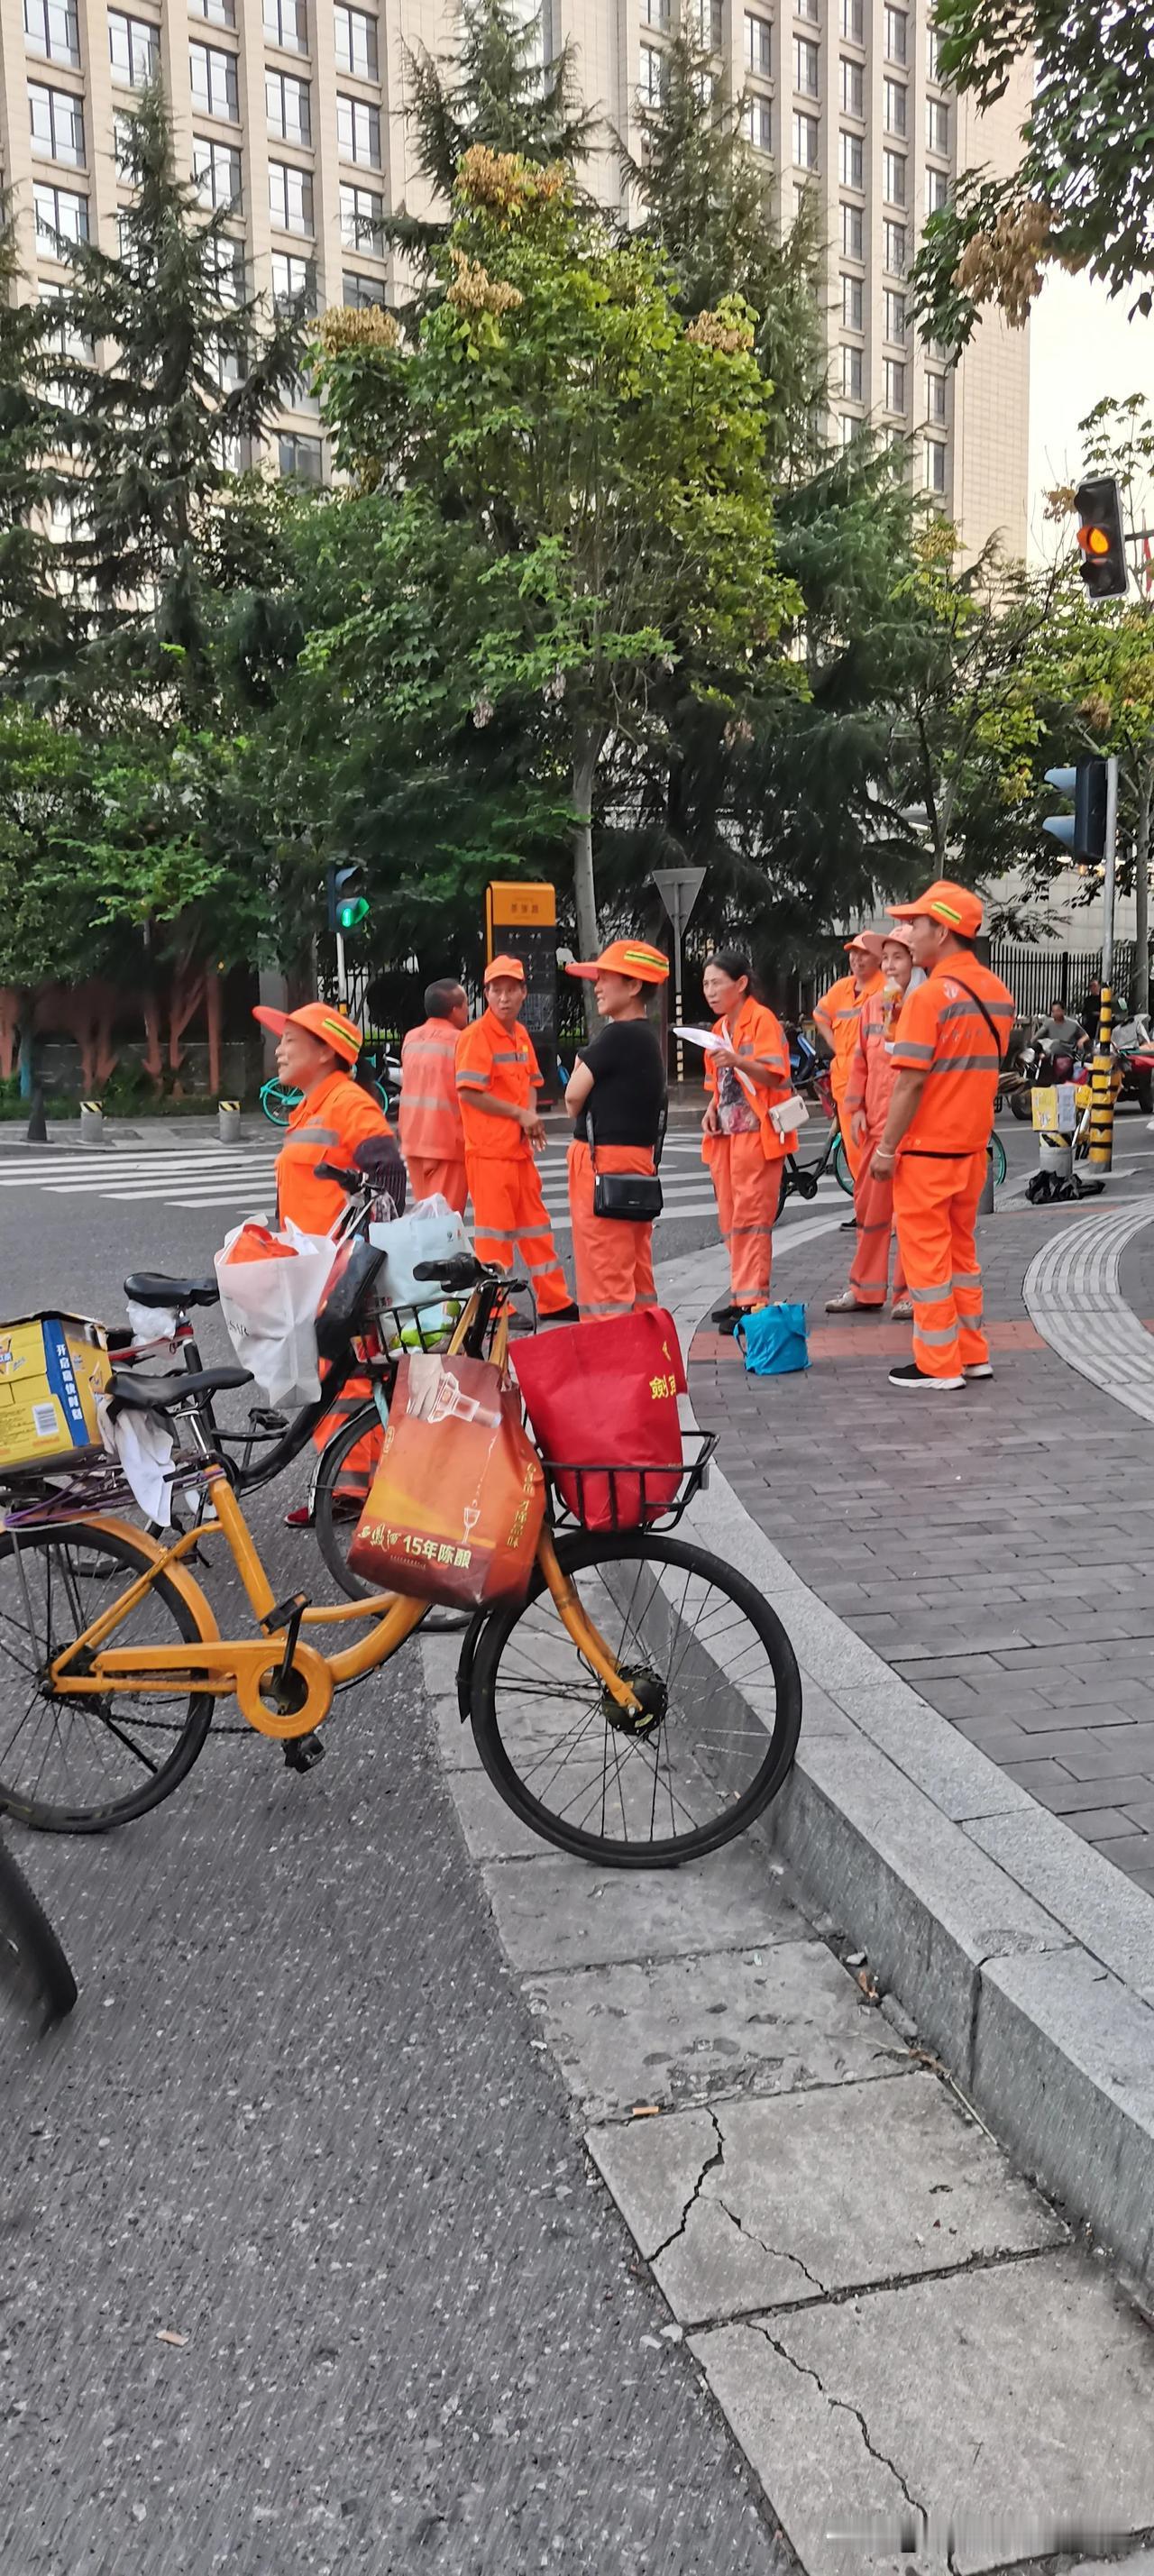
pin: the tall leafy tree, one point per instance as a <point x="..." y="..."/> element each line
<point x="494" y="88"/>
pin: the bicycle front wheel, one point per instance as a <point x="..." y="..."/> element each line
<point x="81" y="1765"/>
<point x="36" y="1982"/>
<point x="998" y="1159"/>
<point x="840" y="1167"/>
<point x="720" y="1697"/>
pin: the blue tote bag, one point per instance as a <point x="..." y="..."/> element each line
<point x="773" y="1341"/>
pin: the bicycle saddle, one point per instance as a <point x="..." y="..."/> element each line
<point x="148" y="1288"/>
<point x="161" y="1394"/>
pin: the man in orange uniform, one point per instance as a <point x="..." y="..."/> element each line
<point x="948" y="1051"/>
<point x="432" y="1136"/>
<point x="318" y="1045"/>
<point x="497" y="1075"/>
<point x="836" y="1016"/>
<point x="867" y="1098"/>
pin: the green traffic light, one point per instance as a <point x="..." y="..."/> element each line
<point x="350" y="915"/>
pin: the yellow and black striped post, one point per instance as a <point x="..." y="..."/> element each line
<point x="1101" y="1146"/>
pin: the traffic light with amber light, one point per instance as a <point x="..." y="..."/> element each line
<point x="1101" y="544"/>
<point x="1082" y="833"/>
<point x="348" y="904"/>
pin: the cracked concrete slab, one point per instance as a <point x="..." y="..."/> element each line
<point x="560" y="1913"/>
<point x="750" y="2021"/>
<point x="759" y="2202"/>
<point x="954" y="2397"/>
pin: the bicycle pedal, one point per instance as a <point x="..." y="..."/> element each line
<point x="280" y="1616"/>
<point x="303" y="1752"/>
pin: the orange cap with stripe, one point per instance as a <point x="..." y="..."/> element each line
<point x="953" y="905"/>
<point x="331" y="1027"/>
<point x="627" y="957"/>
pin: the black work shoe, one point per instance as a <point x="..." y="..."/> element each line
<point x="726" y="1314"/>
<point x="563" y="1315"/>
<point x="848" y="1225"/>
<point x="915" y="1381"/>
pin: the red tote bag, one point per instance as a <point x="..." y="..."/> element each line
<point x="605" y="1395"/>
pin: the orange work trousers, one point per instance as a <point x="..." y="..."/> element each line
<point x="511" y="1225"/>
<point x="612" y="1257"/>
<point x="438" y="1180"/>
<point x="358" y="1469"/>
<point x="874" y="1206"/>
<point x="936" y="1206"/>
<point x="747" y="1189"/>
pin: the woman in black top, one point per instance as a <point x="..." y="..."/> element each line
<point x="615" y="1097"/>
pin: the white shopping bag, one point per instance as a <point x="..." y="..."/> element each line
<point x="430" y="1231"/>
<point x="270" y="1306"/>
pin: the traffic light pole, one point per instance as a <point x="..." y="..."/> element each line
<point x="1102" y="1077"/>
<point x="341" y="985"/>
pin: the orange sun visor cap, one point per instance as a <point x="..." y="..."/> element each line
<point x="953" y="905"/>
<point x="329" y="1026"/>
<point x="632" y="957"/>
<point x="870" y="940"/>
<point x="505" y="966"/>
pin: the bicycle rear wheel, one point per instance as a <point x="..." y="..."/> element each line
<point x="998" y="1159"/>
<point x="36" y="1982"/>
<point x="839" y="1164"/>
<point x="720" y="1692"/>
<point x="81" y="1765"/>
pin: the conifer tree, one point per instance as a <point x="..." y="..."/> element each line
<point x="494" y="88"/>
<point x="36" y="625"/>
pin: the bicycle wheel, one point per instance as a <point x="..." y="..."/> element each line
<point x="36" y="1981"/>
<point x="278" y="1102"/>
<point x="80" y="1765"/>
<point x="717" y="1678"/>
<point x="336" y="1526"/>
<point x="997" y="1153"/>
<point x="839" y="1163"/>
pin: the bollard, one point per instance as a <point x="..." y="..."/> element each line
<point x="36" y="1132"/>
<point x="91" y="1122"/>
<point x="228" y="1121"/>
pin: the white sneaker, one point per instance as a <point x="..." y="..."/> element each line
<point x="977" y="1368"/>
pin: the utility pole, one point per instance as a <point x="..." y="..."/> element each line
<point x="1101" y="1151"/>
<point x="341" y="986"/>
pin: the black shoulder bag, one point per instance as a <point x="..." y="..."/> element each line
<point x="632" y="1198"/>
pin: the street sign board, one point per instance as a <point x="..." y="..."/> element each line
<point x="679" y="889"/>
<point x="523" y="919"/>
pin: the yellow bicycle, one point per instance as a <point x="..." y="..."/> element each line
<point x="640" y="1706"/>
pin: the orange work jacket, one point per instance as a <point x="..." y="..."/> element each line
<point x="870" y="1079"/>
<point x="943" y="1034"/>
<point x="325" y="1127"/>
<point x="429" y="1116"/>
<point x="841" y="1006"/>
<point x="756" y="1032"/>
<point x="492" y="1058"/>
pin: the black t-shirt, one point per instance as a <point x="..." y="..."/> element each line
<point x="628" y="1085"/>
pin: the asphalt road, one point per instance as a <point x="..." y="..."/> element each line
<point x="298" y="2121"/>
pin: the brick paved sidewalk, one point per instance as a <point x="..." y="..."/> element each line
<point x="963" y="1537"/>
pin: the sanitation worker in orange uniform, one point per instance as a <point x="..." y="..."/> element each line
<point x="497" y="1077"/>
<point x="837" y="1016"/>
<point x="432" y="1136"/>
<point x="867" y="1098"/>
<point x="948" y="1051"/>
<point x="745" y="1076"/>
<point x="318" y="1046"/>
<point x="616" y="1097"/>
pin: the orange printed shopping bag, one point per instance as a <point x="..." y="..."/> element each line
<point x="456" y="1505"/>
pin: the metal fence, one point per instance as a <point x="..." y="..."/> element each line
<point x="1037" y="976"/>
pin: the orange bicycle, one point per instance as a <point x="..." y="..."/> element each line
<point x="640" y="1706"/>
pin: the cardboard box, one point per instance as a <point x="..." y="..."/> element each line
<point x="52" y="1368"/>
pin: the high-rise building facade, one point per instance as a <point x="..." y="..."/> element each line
<point x="292" y="113"/>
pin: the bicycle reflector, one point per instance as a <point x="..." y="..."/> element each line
<point x="1101" y="543"/>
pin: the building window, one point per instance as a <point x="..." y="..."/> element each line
<point x="937" y="125"/>
<point x="933" y="54"/>
<point x="759" y="124"/>
<point x="895" y="315"/>
<point x="852" y="302"/>
<point x="852" y="151"/>
<point x="212" y="75"/>
<point x="935" y="465"/>
<point x="359" y="131"/>
<point x="895" y="384"/>
<point x="361" y="292"/>
<point x="230" y="271"/>
<point x="847" y="428"/>
<point x="294" y="283"/>
<point x="851" y="374"/>
<point x="896" y="36"/>
<point x="937" y="191"/>
<point x="52" y="27"/>
<point x="709" y="26"/>
<point x="807" y="9"/>
<point x="59" y="210"/>
<point x="852" y="88"/>
<point x="657" y="13"/>
<point x="216" y="170"/>
<point x="894" y="106"/>
<point x="894" y="178"/>
<point x="57" y="122"/>
<point x="284" y="25"/>
<point x="852" y="232"/>
<point x="758" y="56"/>
<point x="652" y="82"/>
<point x="290" y="198"/>
<point x="134" y="49"/>
<point x="299" y="458"/>
<point x="221" y="12"/>
<point x="64" y="338"/>
<point x="805" y="141"/>
<point x="853" y="21"/>
<point x="356" y="43"/>
<point x="895" y="240"/>
<point x="287" y="107"/>
<point x="935" y="395"/>
<point x="806" y="67"/>
<point x="362" y="219"/>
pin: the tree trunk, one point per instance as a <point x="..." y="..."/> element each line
<point x="584" y="890"/>
<point x="27" y="999"/>
<point x="212" y="1016"/>
<point x="1141" y="999"/>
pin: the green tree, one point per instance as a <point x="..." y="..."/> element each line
<point x="36" y="626"/>
<point x="495" y="88"/>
